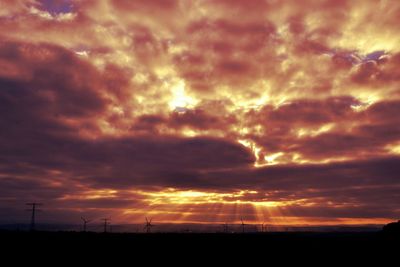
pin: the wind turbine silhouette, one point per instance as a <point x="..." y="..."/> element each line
<point x="106" y="224"/>
<point x="243" y="224"/>
<point x="85" y="222"/>
<point x="148" y="225"/>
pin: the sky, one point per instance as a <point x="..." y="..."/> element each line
<point x="200" y="111"/>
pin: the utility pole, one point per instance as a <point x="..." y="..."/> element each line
<point x="148" y="225"/>
<point x="33" y="210"/>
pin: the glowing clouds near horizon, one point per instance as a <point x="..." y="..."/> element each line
<point x="215" y="109"/>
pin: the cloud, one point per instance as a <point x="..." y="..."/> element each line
<point x="243" y="106"/>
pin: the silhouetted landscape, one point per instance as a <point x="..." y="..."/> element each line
<point x="188" y="228"/>
<point x="341" y="242"/>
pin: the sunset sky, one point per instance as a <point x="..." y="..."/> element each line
<point x="200" y="111"/>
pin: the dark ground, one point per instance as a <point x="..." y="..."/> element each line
<point x="200" y="247"/>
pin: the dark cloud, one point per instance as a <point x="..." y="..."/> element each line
<point x="214" y="61"/>
<point x="49" y="80"/>
<point x="57" y="6"/>
<point x="307" y="112"/>
<point x="309" y="176"/>
<point x="298" y="127"/>
<point x="149" y="5"/>
<point x="50" y="86"/>
<point x="87" y="125"/>
<point x="378" y="69"/>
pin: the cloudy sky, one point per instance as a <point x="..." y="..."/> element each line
<point x="204" y="111"/>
